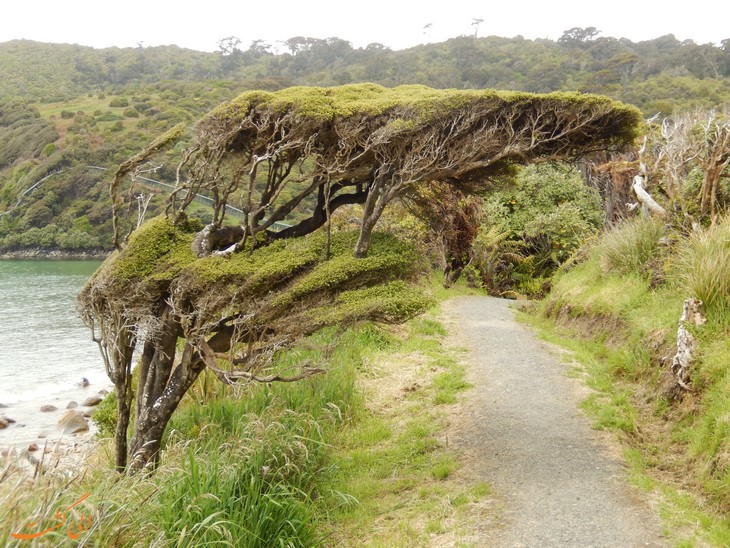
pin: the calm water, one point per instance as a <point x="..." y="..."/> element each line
<point x="44" y="347"/>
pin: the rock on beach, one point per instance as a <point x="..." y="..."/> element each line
<point x="92" y="401"/>
<point x="72" y="422"/>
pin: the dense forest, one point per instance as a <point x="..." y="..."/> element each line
<point x="68" y="110"/>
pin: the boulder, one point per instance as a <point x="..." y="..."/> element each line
<point x="3" y="406"/>
<point x="103" y="392"/>
<point x="91" y="401"/>
<point x="48" y="408"/>
<point x="7" y="419"/>
<point x="4" y="423"/>
<point x="72" y="405"/>
<point x="33" y="447"/>
<point x="84" y="382"/>
<point x="72" y="422"/>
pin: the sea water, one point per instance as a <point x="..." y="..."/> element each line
<point x="45" y="349"/>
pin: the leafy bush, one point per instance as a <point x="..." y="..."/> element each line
<point x="108" y="116"/>
<point x="119" y="102"/>
<point x="22" y="134"/>
<point x="534" y="227"/>
<point x="105" y="415"/>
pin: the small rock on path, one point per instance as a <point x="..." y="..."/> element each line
<point x="558" y="482"/>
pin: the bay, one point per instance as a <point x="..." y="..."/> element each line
<point x="45" y="349"/>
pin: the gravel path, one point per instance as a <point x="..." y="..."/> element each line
<point x="557" y="482"/>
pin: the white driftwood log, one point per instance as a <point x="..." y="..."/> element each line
<point x="648" y="204"/>
<point x="645" y="198"/>
<point x="692" y="314"/>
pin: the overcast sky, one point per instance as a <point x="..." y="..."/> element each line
<point x="201" y="24"/>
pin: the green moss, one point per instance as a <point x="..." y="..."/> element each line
<point x="388" y="259"/>
<point x="287" y="274"/>
<point x="412" y="105"/>
<point x="158" y="250"/>
<point x="390" y="303"/>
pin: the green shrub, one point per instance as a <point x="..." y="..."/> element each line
<point x="105" y="415"/>
<point x="119" y="102"/>
<point x="108" y="116"/>
<point x="529" y="230"/>
<point x="631" y="247"/>
<point x="131" y="112"/>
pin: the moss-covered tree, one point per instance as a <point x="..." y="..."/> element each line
<point x="196" y="297"/>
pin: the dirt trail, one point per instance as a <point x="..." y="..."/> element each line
<point x="557" y="482"/>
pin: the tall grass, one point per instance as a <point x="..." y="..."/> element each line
<point x="703" y="267"/>
<point x="248" y="473"/>
<point x="631" y="247"/>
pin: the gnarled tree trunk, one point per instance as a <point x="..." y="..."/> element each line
<point x="163" y="383"/>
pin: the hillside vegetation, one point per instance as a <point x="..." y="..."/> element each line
<point x="66" y="107"/>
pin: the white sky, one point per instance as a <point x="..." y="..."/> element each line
<point x="200" y="24"/>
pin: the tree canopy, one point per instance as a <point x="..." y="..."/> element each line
<point x="268" y="153"/>
<point x="234" y="294"/>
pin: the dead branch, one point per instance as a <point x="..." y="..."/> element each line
<point x="692" y="314"/>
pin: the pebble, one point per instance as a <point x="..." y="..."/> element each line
<point x="33" y="447"/>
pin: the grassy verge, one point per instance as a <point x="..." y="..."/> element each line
<point x="389" y="484"/>
<point x="356" y="456"/>
<point x="617" y="312"/>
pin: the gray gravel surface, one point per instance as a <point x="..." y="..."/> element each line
<point x="557" y="481"/>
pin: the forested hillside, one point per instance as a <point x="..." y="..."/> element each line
<point x="64" y="107"/>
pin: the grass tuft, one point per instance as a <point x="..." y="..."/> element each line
<point x="631" y="247"/>
<point x="703" y="267"/>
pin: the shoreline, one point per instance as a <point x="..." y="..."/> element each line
<point x="54" y="254"/>
<point x="34" y="431"/>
